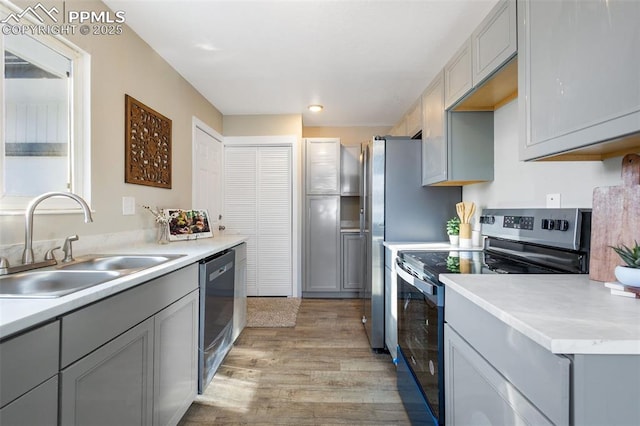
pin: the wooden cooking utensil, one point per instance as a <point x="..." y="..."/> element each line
<point x="470" y="209"/>
<point x="460" y="211"/>
<point x="615" y="220"/>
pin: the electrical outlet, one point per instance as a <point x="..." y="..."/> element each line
<point x="553" y="201"/>
<point x="128" y="206"/>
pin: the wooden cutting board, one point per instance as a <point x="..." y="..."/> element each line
<point x="615" y="220"/>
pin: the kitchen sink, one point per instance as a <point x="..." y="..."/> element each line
<point x="51" y="283"/>
<point x="70" y="277"/>
<point x="118" y="262"/>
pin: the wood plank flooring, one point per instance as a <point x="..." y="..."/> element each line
<point x="321" y="372"/>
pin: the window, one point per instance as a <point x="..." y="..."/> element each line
<point x="44" y="139"/>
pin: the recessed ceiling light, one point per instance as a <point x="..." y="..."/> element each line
<point x="315" y="108"/>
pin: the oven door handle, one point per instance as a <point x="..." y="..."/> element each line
<point x="424" y="286"/>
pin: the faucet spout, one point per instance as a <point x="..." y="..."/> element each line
<point x="27" y="254"/>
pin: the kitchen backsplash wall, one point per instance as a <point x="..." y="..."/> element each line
<point x="526" y="184"/>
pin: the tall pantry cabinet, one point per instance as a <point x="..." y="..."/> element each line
<point x="322" y="215"/>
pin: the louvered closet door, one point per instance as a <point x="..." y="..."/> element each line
<point x="258" y="202"/>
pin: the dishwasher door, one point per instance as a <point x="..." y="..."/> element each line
<point x="216" y="314"/>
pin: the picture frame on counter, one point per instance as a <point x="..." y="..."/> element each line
<point x="188" y="224"/>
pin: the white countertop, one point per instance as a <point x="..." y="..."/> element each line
<point x="19" y="314"/>
<point x="566" y="314"/>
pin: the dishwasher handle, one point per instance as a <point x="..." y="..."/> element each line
<point x="215" y="274"/>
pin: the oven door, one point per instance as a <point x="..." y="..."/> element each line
<point x="421" y="343"/>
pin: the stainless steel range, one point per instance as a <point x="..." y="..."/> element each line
<point x="517" y="241"/>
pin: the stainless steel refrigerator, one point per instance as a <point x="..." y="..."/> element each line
<point x="395" y="207"/>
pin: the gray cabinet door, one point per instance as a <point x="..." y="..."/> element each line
<point x="27" y="360"/>
<point x="114" y="384"/>
<point x="495" y="40"/>
<point x="434" y="133"/>
<point x="322" y="166"/>
<point x="350" y="170"/>
<point x="578" y="68"/>
<point x="322" y="247"/>
<point x="457" y="75"/>
<point x="39" y="407"/>
<point x="352" y="259"/>
<point x="475" y="393"/>
<point x="175" y="381"/>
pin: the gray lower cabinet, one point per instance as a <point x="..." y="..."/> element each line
<point x="114" y="384"/>
<point x="175" y="360"/>
<point x="39" y="406"/>
<point x="29" y="376"/>
<point x="495" y="374"/>
<point x="322" y="244"/>
<point x="476" y="393"/>
<point x="131" y="359"/>
<point x="352" y="258"/>
<point x="578" y="77"/>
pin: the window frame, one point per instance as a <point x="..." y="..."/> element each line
<point x="79" y="168"/>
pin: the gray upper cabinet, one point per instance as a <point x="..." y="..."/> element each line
<point x="457" y="147"/>
<point x="457" y="75"/>
<point x="322" y="166"/>
<point x="579" y="78"/>
<point x="434" y="128"/>
<point x="480" y="59"/>
<point x="495" y="40"/>
<point x="350" y="170"/>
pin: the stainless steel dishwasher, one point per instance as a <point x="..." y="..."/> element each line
<point x="216" y="314"/>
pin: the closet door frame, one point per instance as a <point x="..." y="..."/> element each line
<point x="292" y="141"/>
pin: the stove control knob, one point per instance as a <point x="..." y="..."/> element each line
<point x="545" y="224"/>
<point x="489" y="220"/>
<point x="552" y="225"/>
<point x="562" y="225"/>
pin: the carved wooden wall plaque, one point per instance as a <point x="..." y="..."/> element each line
<point x="147" y="145"/>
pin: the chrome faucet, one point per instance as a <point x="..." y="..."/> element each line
<point x="27" y="254"/>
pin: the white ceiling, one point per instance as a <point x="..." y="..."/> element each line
<point x="366" y="61"/>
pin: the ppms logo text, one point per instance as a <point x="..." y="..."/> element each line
<point x="93" y="17"/>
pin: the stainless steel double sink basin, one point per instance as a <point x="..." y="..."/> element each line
<point x="67" y="278"/>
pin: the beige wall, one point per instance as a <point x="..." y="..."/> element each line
<point x="347" y="135"/>
<point x="262" y="125"/>
<point x="124" y="64"/>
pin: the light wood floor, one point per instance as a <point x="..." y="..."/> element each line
<point x="321" y="372"/>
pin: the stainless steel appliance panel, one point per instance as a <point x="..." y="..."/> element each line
<point x="395" y="207"/>
<point x="217" y="289"/>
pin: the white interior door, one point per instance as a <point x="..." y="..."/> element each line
<point x="208" y="166"/>
<point x="258" y="187"/>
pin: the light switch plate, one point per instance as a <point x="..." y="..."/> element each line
<point x="128" y="206"/>
<point x="553" y="201"/>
